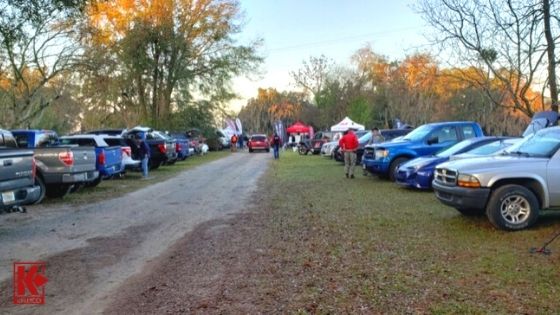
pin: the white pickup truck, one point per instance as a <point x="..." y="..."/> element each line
<point x="510" y="188"/>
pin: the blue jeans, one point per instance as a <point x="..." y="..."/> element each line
<point x="276" y="152"/>
<point x="145" y="166"/>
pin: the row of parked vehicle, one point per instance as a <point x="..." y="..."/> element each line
<point x="35" y="164"/>
<point x="510" y="179"/>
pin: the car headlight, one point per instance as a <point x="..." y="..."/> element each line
<point x="469" y="181"/>
<point x="379" y="154"/>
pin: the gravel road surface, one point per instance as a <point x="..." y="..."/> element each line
<point x="92" y="249"/>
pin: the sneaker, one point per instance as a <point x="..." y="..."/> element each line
<point x="346" y="175"/>
<point x="352" y="176"/>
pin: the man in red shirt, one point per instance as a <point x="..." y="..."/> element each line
<point x="349" y="144"/>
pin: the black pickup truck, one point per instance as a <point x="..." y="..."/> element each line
<point x="162" y="148"/>
<point x="17" y="174"/>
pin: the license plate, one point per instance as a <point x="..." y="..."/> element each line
<point x="8" y="197"/>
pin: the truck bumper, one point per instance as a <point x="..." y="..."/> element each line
<point x="66" y="178"/>
<point x="412" y="179"/>
<point x="459" y="197"/>
<point x="22" y="196"/>
<point x="375" y="166"/>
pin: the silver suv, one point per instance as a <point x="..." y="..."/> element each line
<point x="510" y="188"/>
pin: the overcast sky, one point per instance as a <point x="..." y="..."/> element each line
<point x="294" y="30"/>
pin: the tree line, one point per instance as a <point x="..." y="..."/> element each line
<point x="500" y="63"/>
<point x="167" y="64"/>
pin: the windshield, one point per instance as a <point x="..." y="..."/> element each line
<point x="365" y="138"/>
<point x="418" y="133"/>
<point x="454" y="149"/>
<point x="491" y="148"/>
<point x="535" y="125"/>
<point x="542" y="144"/>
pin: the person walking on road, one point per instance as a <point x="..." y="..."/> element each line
<point x="241" y="142"/>
<point x="233" y="144"/>
<point x="349" y="144"/>
<point x="144" y="153"/>
<point x="276" y="142"/>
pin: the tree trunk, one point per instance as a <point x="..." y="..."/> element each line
<point x="550" y="53"/>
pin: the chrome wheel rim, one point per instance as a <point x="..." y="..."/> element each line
<point x="515" y="209"/>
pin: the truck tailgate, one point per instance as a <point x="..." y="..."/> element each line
<point x="15" y="169"/>
<point x="113" y="159"/>
<point x="84" y="159"/>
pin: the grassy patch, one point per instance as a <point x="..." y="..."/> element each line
<point x="366" y="245"/>
<point x="116" y="187"/>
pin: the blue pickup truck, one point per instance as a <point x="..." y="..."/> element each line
<point x="384" y="158"/>
<point x="108" y="159"/>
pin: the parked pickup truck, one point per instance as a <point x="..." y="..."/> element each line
<point x="511" y="188"/>
<point x="384" y="158"/>
<point x="58" y="167"/>
<point x="17" y="174"/>
<point x="108" y="158"/>
<point x="162" y="150"/>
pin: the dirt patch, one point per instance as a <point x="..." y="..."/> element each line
<point x="72" y="273"/>
<point x="212" y="270"/>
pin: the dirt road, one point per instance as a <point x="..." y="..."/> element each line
<point x="91" y="250"/>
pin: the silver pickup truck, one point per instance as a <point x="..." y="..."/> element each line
<point x="510" y="188"/>
<point x="17" y="172"/>
<point x="59" y="167"/>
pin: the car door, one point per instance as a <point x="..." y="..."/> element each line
<point x="553" y="179"/>
<point x="441" y="139"/>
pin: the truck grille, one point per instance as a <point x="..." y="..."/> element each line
<point x="446" y="176"/>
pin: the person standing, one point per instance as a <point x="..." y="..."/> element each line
<point x="144" y="152"/>
<point x="276" y="142"/>
<point x="349" y="144"/>
<point x="233" y="144"/>
<point x="241" y="142"/>
<point x="376" y="136"/>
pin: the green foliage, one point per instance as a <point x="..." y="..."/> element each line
<point x="360" y="111"/>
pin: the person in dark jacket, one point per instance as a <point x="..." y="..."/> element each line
<point x="276" y="142"/>
<point x="143" y="152"/>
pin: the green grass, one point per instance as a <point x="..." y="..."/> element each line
<point x="117" y="187"/>
<point x="366" y="245"/>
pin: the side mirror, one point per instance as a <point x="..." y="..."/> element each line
<point x="433" y="140"/>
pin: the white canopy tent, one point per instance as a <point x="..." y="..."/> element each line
<point x="346" y="124"/>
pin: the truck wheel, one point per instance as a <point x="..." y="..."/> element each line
<point x="470" y="212"/>
<point x="512" y="207"/>
<point x="95" y="182"/>
<point x="41" y="183"/>
<point x="394" y="166"/>
<point x="58" y="190"/>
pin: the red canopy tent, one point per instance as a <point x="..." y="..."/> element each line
<point x="298" y="127"/>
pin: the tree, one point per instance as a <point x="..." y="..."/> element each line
<point x="37" y="49"/>
<point x="162" y="53"/>
<point x="313" y="75"/>
<point x="505" y="37"/>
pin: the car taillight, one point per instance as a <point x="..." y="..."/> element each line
<point x="67" y="158"/>
<point x="162" y="148"/>
<point x="101" y="158"/>
<point x="178" y="147"/>
<point x="33" y="168"/>
<point x="127" y="151"/>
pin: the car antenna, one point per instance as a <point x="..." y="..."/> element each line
<point x="544" y="250"/>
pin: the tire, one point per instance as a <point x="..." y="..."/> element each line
<point x="470" y="212"/>
<point x="394" y="165"/>
<point x="43" y="188"/>
<point x="250" y="150"/>
<point x="267" y="150"/>
<point x="513" y="208"/>
<point x="58" y="190"/>
<point x="95" y="182"/>
<point x="302" y="150"/>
